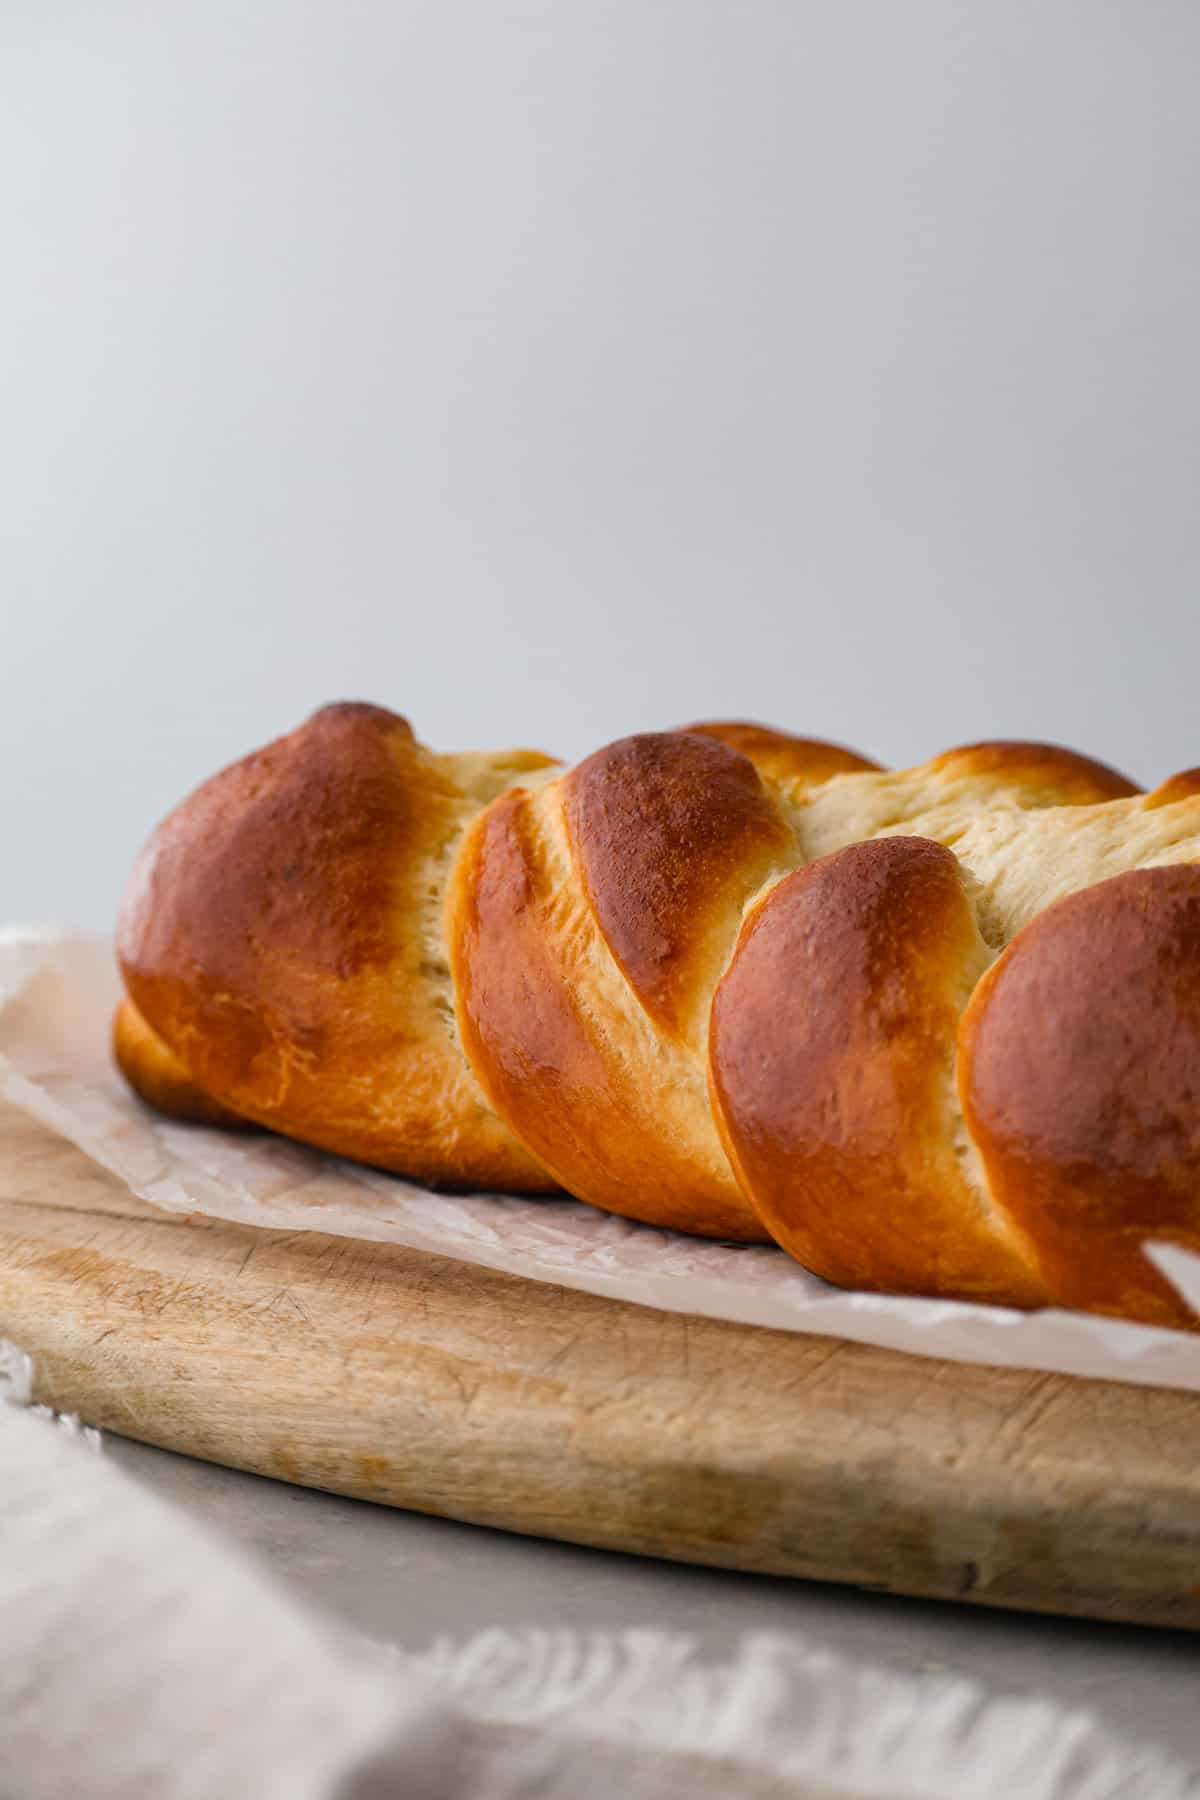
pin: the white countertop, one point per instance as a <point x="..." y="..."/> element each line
<point x="406" y="1579"/>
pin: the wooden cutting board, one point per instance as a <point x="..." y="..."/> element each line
<point x="425" y="1383"/>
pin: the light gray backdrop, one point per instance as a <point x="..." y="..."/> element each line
<point x="555" y="369"/>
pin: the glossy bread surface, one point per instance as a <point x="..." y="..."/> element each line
<point x="281" y="936"/>
<point x="936" y="1030"/>
<point x="1081" y="1086"/>
<point x="833" y="1060"/>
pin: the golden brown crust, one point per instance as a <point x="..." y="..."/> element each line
<point x="407" y="959"/>
<point x="672" y="834"/>
<point x="1081" y="1086"/>
<point x="779" y="755"/>
<point x="1183" y="786"/>
<point x="832" y="1067"/>
<point x="277" y="936"/>
<point x="1049" y="774"/>
<point x="159" y="1077"/>
<point x="571" y="1077"/>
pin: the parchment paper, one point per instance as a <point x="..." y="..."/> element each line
<point x="57" y="993"/>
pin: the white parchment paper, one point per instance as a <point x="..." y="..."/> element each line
<point x="57" y="993"/>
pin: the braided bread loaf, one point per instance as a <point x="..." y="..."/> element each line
<point x="935" y="1031"/>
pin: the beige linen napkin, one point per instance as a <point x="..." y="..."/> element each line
<point x="141" y="1658"/>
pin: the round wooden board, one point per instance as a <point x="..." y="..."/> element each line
<point x="424" y="1383"/>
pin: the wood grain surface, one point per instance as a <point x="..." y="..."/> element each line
<point x="425" y="1383"/>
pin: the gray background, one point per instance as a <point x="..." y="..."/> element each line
<point x="554" y="369"/>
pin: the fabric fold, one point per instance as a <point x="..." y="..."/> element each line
<point x="143" y="1658"/>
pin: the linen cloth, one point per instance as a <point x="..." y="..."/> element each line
<point x="142" y="1658"/>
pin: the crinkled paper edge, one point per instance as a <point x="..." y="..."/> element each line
<point x="56" y="994"/>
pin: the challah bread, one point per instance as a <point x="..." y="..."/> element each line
<point x="779" y="756"/>
<point x="159" y="1076"/>
<point x="935" y="1031"/>
<point x="281" y="939"/>
<point x="590" y="921"/>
